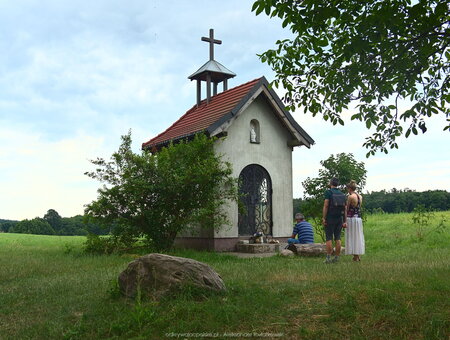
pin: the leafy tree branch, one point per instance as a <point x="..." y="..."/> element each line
<point x="378" y="54"/>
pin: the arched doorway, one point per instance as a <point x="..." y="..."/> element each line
<point x="255" y="188"/>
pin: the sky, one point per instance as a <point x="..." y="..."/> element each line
<point x="76" y="75"/>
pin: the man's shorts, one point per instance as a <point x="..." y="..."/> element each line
<point x="333" y="229"/>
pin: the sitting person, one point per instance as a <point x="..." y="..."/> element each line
<point x="303" y="230"/>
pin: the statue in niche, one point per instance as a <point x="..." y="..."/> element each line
<point x="253" y="134"/>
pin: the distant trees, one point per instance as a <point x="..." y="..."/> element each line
<point x="5" y="225"/>
<point x="396" y="201"/>
<point x="53" y="218"/>
<point x="296" y="205"/>
<point x="53" y="224"/>
<point x="38" y="226"/>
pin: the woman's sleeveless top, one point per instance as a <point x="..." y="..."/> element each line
<point x="354" y="211"/>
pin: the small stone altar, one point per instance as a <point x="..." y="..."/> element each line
<point x="257" y="248"/>
<point x="258" y="244"/>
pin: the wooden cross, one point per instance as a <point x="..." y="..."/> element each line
<point x="211" y="41"/>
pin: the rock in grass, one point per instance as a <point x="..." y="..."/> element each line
<point x="286" y="253"/>
<point x="157" y="274"/>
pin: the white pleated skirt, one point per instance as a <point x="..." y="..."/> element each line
<point x="354" y="237"/>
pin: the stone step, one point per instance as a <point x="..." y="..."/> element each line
<point x="257" y="248"/>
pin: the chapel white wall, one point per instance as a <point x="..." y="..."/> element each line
<point x="272" y="153"/>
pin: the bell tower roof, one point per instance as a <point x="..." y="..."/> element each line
<point x="218" y="72"/>
<point x="211" y="72"/>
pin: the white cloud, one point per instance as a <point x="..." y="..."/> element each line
<point x="38" y="175"/>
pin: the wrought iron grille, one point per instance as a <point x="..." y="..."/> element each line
<point x="256" y="197"/>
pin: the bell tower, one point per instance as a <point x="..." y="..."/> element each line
<point x="211" y="72"/>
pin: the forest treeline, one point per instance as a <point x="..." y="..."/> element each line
<point x="392" y="201"/>
<point x="52" y="224"/>
<point x="397" y="201"/>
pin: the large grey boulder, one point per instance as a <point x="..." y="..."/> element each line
<point x="157" y="274"/>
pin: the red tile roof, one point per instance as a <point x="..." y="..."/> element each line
<point x="199" y="118"/>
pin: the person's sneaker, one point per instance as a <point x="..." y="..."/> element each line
<point x="328" y="260"/>
<point x="335" y="259"/>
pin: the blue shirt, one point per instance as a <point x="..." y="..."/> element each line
<point x="305" y="232"/>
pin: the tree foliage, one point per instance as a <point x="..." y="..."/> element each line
<point x="54" y="219"/>
<point x="342" y="166"/>
<point x="37" y="226"/>
<point x="5" y="225"/>
<point x="379" y="54"/>
<point x="158" y="195"/>
<point x="396" y="201"/>
<point x="76" y="225"/>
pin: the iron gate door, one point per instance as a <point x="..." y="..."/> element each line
<point x="255" y="188"/>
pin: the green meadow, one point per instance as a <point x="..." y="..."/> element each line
<point x="49" y="289"/>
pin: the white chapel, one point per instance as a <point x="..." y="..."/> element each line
<point x="260" y="135"/>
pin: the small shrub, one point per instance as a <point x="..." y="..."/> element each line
<point x="100" y="245"/>
<point x="114" y="244"/>
<point x="68" y="248"/>
<point x="319" y="229"/>
<point x="421" y="218"/>
<point x="378" y="211"/>
<point x="442" y="225"/>
<point x="114" y="289"/>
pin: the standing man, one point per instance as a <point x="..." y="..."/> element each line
<point x="303" y="230"/>
<point x="334" y="217"/>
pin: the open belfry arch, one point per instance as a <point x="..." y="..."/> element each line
<point x="212" y="72"/>
<point x="260" y="135"/>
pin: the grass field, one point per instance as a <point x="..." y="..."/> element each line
<point x="50" y="290"/>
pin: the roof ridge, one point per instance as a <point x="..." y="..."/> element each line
<point x="202" y="106"/>
<point x="221" y="94"/>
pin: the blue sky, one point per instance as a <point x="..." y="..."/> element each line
<point x="76" y="75"/>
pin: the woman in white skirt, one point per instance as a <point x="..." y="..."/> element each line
<point x="354" y="235"/>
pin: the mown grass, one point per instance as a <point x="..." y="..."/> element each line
<point x="50" y="290"/>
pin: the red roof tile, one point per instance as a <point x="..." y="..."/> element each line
<point x="199" y="118"/>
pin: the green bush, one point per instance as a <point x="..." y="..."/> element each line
<point x="156" y="196"/>
<point x="101" y="245"/>
<point x="114" y="244"/>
